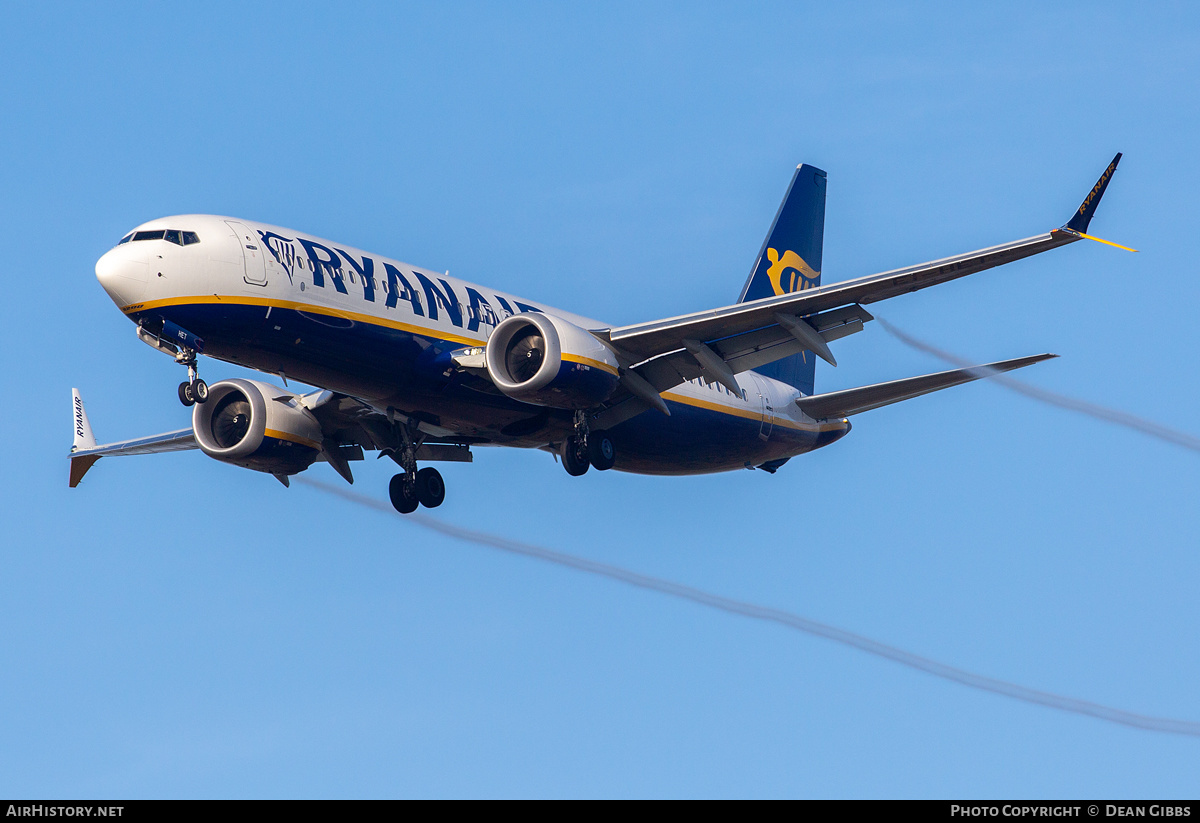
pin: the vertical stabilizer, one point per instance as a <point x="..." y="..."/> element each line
<point x="790" y="261"/>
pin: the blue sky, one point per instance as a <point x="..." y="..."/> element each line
<point x="178" y="627"/>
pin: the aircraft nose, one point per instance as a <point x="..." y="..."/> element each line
<point x="124" y="273"/>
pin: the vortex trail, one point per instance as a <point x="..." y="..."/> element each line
<point x="778" y="616"/>
<point x="1120" y="418"/>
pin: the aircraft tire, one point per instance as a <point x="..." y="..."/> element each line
<point x="200" y="391"/>
<point x="574" y="459"/>
<point x="431" y="488"/>
<point x="601" y="452"/>
<point x="402" y="501"/>
<point x="186" y="396"/>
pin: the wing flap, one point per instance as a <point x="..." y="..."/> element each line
<point x="750" y="350"/>
<point x="865" y="398"/>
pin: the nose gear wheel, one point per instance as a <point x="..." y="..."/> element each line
<point x="193" y="390"/>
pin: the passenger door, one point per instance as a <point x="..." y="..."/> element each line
<point x="252" y="253"/>
<point x="768" y="412"/>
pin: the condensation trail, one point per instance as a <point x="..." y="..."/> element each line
<point x="1099" y="412"/>
<point x="784" y="618"/>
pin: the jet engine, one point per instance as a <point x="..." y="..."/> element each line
<point x="542" y="359"/>
<point x="257" y="426"/>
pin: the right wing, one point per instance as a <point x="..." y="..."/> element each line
<point x="719" y="343"/>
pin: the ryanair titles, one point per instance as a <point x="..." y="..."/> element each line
<point x="1098" y="189"/>
<point x="78" y="417"/>
<point x="427" y="298"/>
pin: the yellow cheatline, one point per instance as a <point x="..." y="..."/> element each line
<point x="587" y="361"/>
<point x="383" y="321"/>
<point x="750" y="413"/>
<point x="311" y="308"/>
<point x="1107" y="242"/>
<point x="303" y="441"/>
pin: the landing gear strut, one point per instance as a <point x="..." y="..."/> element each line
<point x="585" y="448"/>
<point x="193" y="390"/>
<point x="414" y="487"/>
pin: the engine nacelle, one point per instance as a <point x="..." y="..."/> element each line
<point x="542" y="359"/>
<point x="257" y="426"/>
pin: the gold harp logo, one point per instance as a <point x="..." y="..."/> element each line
<point x="790" y="273"/>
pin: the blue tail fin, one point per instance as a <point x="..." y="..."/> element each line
<point x="790" y="260"/>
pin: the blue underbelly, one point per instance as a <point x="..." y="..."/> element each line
<point x="389" y="366"/>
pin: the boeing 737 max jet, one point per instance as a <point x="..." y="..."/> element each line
<point x="421" y="367"/>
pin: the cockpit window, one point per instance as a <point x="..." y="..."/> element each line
<point x="179" y="238"/>
<point x="125" y="239"/>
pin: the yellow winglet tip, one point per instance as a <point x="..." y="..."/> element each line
<point x="1106" y="242"/>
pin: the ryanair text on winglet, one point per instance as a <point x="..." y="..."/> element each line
<point x="1099" y="185"/>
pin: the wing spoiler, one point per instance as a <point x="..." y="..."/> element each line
<point x="855" y="401"/>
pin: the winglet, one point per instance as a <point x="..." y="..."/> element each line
<point x="1087" y="209"/>
<point x="84" y="440"/>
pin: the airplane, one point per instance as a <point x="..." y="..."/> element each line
<point x="422" y="367"/>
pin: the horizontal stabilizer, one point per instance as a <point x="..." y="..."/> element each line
<point x="854" y="401"/>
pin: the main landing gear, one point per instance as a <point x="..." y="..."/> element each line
<point x="425" y="488"/>
<point x="193" y="390"/>
<point x="586" y="448"/>
<point x="414" y="488"/>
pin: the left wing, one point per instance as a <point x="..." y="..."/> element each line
<point x="348" y="426"/>
<point x="85" y="452"/>
<point x="720" y="343"/>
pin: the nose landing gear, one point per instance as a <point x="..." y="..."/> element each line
<point x="193" y="390"/>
